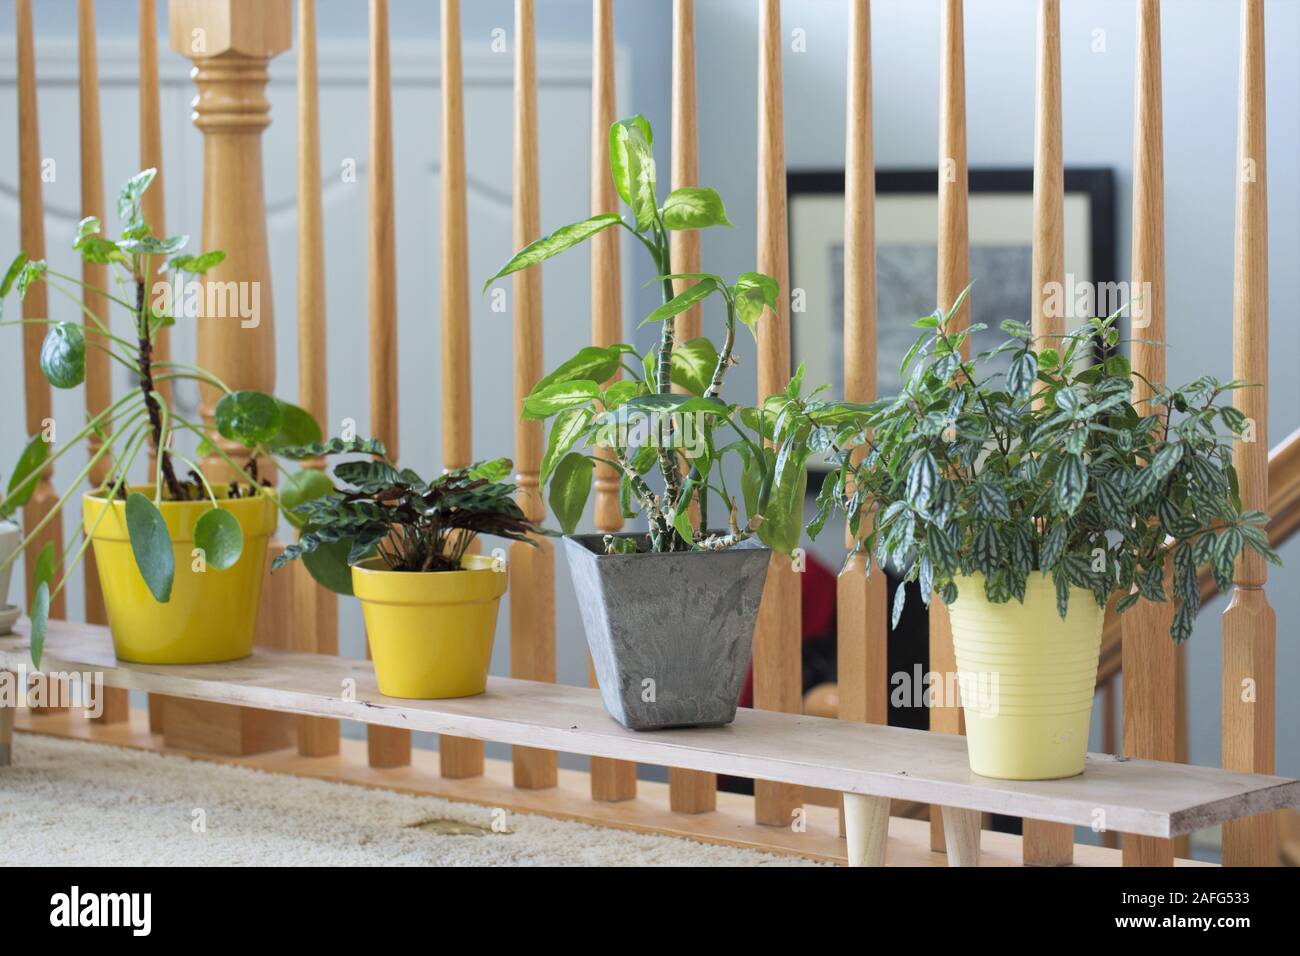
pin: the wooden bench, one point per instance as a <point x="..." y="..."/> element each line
<point x="869" y="764"/>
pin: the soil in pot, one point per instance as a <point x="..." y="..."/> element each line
<point x="670" y="634"/>
<point x="431" y="633"/>
<point x="1027" y="679"/>
<point x="212" y="613"/>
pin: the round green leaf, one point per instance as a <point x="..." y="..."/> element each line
<point x="297" y="427"/>
<point x="151" y="545"/>
<point x="694" y="207"/>
<point x="219" y="535"/>
<point x="570" y="486"/>
<point x="249" y="418"/>
<point x="694" y="363"/>
<point x="303" y="486"/>
<point x="328" y="564"/>
<point x="63" y="355"/>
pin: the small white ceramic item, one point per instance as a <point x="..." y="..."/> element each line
<point x="10" y="537"/>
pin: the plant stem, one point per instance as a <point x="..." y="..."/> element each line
<point x="150" y="398"/>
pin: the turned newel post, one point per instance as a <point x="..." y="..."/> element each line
<point x="231" y="43"/>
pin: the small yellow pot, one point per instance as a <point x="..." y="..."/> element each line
<point x="431" y="633"/>
<point x="212" y="614"/>
<point x="1027" y="678"/>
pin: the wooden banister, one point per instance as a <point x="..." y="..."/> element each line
<point x="457" y="756"/>
<point x="778" y="672"/>
<point x="688" y="791"/>
<point x="532" y="570"/>
<point x="1149" y="662"/>
<point x="611" y="780"/>
<point x="1249" y="623"/>
<point x="116" y="706"/>
<point x="315" y="609"/>
<point x="954" y="276"/>
<point x="387" y="747"/>
<point x="36" y="390"/>
<point x="862" y="638"/>
<point x="1048" y="844"/>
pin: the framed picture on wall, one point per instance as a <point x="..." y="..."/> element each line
<point x="1001" y="229"/>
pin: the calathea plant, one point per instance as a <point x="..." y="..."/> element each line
<point x="143" y="417"/>
<point x="394" y="514"/>
<point x="1051" y="467"/>
<point x="642" y="423"/>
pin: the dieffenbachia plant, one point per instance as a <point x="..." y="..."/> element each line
<point x="1050" y="467"/>
<point x="382" y="511"/>
<point x="143" y="417"/>
<point x="640" y="422"/>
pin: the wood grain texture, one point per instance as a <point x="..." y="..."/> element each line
<point x="731" y="825"/>
<point x="31" y="216"/>
<point x="866" y="825"/>
<point x="1148" y="653"/>
<point x="1137" y="796"/>
<point x="1047" y="844"/>
<point x="532" y="570"/>
<point x="778" y="670"/>
<point x="98" y="385"/>
<point x="388" y="748"/>
<point x="457" y="757"/>
<point x="689" y="792"/>
<point x="953" y="277"/>
<point x="315" y="619"/>
<point x="862" y="633"/>
<point x="961" y="833"/>
<point x="1250" y="624"/>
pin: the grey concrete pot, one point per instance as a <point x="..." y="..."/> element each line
<point x="670" y="634"/>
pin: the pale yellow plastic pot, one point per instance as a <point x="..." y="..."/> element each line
<point x="431" y="633"/>
<point x="212" y="614"/>
<point x="1027" y="678"/>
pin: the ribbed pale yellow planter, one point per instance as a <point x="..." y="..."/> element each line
<point x="1027" y="679"/>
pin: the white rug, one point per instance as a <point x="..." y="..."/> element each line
<point x="73" y="803"/>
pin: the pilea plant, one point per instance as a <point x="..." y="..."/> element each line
<point x="143" y="417"/>
<point x="640" y="422"/>
<point x="392" y="513"/>
<point x="1051" y="467"/>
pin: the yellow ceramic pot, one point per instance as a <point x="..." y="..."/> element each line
<point x="431" y="633"/>
<point x="1027" y="679"/>
<point x="212" y="614"/>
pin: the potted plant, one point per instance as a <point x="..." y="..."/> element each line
<point x="1027" y="487"/>
<point x="669" y="612"/>
<point x="402" y="544"/>
<point x="188" y="541"/>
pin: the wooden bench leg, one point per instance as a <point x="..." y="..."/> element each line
<point x="961" y="832"/>
<point x="866" y="827"/>
<point x="7" y="718"/>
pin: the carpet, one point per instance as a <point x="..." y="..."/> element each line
<point x="66" y="802"/>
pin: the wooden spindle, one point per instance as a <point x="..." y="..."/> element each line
<point x="689" y="791"/>
<point x="1249" y="624"/>
<point x="611" y="780"/>
<point x="231" y="44"/>
<point x="458" y="757"/>
<point x="316" y="609"/>
<point x="1048" y="844"/>
<point x="387" y="746"/>
<point x="778" y="669"/>
<point x="116" y="702"/>
<point x="39" y="413"/>
<point x="862" y="639"/>
<point x="1148" y="652"/>
<point x="153" y="207"/>
<point x="532" y="584"/>
<point x="954" y="276"/>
